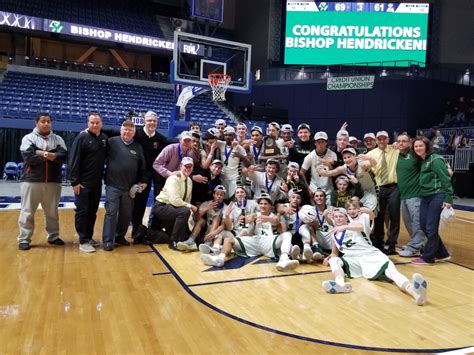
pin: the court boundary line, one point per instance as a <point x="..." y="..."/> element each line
<point x="286" y="334"/>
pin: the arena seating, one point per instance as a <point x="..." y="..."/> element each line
<point x="124" y="15"/>
<point x="22" y="95"/>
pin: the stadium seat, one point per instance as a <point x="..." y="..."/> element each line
<point x="10" y="171"/>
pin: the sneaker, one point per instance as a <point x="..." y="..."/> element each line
<point x="317" y="252"/>
<point x="108" y="246"/>
<point x="286" y="265"/>
<point x="390" y="251"/>
<point x="307" y="253"/>
<point x="419" y="261"/>
<point x="122" y="241"/>
<point x="212" y="260"/>
<point x="24" y="246"/>
<point x="440" y="260"/>
<point x="420" y="286"/>
<point x="205" y="249"/>
<point x="87" y="247"/>
<point x="187" y="246"/>
<point x="57" y="241"/>
<point x="295" y="252"/>
<point x="94" y="243"/>
<point x="333" y="287"/>
<point x="409" y="253"/>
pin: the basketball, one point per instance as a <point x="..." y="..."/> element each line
<point x="307" y="214"/>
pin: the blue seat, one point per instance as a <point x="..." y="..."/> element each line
<point x="10" y="171"/>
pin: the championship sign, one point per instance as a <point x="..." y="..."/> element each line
<point x="350" y="82"/>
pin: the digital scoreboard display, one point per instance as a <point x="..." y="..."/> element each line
<point x="329" y="33"/>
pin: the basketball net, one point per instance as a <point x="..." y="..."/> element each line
<point x="219" y="84"/>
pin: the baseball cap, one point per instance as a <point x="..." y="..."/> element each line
<point x="304" y="125"/>
<point x="185" y="135"/>
<point x="293" y="164"/>
<point x="350" y="150"/>
<point x="220" y="188"/>
<point x="277" y="126"/>
<point x="382" y="133"/>
<point x="187" y="160"/>
<point x="220" y="122"/>
<point x="352" y="138"/>
<point x="342" y="177"/>
<point x="241" y="124"/>
<point x="320" y="135"/>
<point x="340" y="210"/>
<point x="213" y="131"/>
<point x="369" y="135"/>
<point x="229" y="129"/>
<point x="294" y="191"/>
<point x="151" y="114"/>
<point x="286" y="128"/>
<point x="217" y="161"/>
<point x="264" y="196"/>
<point x="257" y="128"/>
<point x="206" y="136"/>
<point x="342" y="133"/>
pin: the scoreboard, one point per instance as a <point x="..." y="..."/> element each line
<point x="327" y="33"/>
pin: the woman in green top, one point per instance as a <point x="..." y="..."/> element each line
<point x="436" y="193"/>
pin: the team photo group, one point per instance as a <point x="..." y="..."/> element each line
<point x="280" y="191"/>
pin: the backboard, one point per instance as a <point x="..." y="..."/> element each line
<point x="196" y="56"/>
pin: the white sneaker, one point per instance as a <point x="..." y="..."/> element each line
<point x="212" y="260"/>
<point x="420" y="286"/>
<point x="286" y="265"/>
<point x="86" y="247"/>
<point x="94" y="243"/>
<point x="204" y="248"/>
<point x="307" y="253"/>
<point x="295" y="252"/>
<point x="332" y="286"/>
<point x="187" y="245"/>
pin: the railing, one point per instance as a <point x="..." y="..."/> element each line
<point x="462" y="158"/>
<point x="398" y="68"/>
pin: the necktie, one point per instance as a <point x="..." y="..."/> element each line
<point x="185" y="189"/>
<point x="383" y="170"/>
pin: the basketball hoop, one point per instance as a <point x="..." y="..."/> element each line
<point x="219" y="84"/>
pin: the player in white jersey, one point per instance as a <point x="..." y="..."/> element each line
<point x="364" y="215"/>
<point x="260" y="238"/>
<point x="320" y="156"/>
<point x="267" y="182"/>
<point x="361" y="259"/>
<point x="300" y="232"/>
<point x="233" y="219"/>
<point x="209" y="216"/>
<point x="361" y="170"/>
<point x="231" y="154"/>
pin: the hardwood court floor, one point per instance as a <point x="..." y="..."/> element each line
<point x="142" y="299"/>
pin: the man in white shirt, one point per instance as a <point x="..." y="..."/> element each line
<point x="231" y="155"/>
<point x="320" y="156"/>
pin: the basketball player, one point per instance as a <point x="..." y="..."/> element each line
<point x="260" y="238"/>
<point x="268" y="181"/>
<point x="209" y="214"/>
<point x="361" y="259"/>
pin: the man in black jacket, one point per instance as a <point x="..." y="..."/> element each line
<point x="152" y="144"/>
<point x="86" y="170"/>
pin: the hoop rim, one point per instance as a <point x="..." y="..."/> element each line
<point x="219" y="78"/>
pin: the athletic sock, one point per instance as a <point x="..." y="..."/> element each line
<point x="340" y="280"/>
